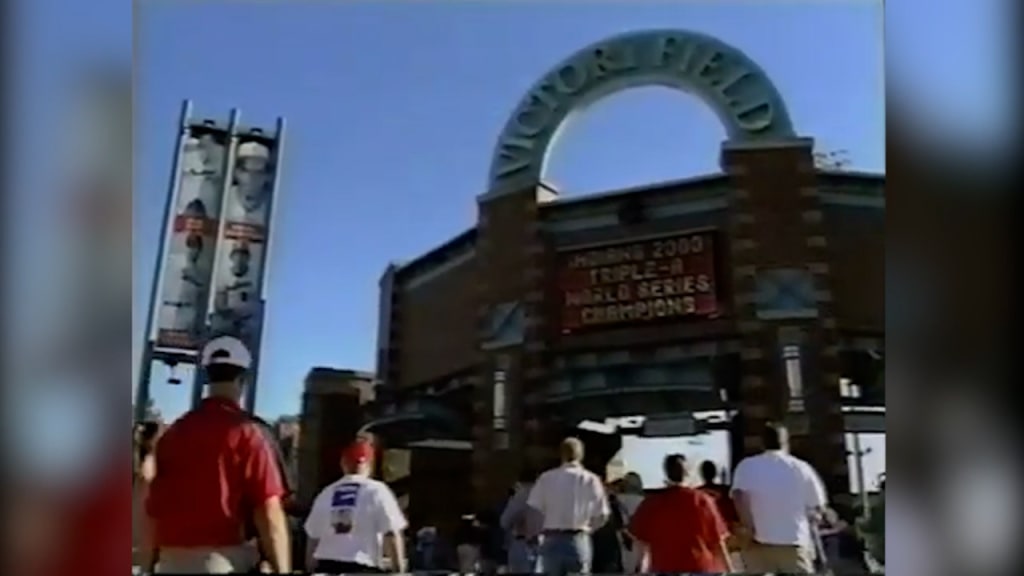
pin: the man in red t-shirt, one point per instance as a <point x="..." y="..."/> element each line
<point x="217" y="474"/>
<point x="679" y="529"/>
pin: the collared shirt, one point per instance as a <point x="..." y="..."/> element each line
<point x="214" y="467"/>
<point x="781" y="490"/>
<point x="349" y="519"/>
<point x="570" y="497"/>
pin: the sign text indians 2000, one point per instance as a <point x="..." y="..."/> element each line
<point x="669" y="277"/>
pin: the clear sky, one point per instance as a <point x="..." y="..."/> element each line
<point x="393" y="111"/>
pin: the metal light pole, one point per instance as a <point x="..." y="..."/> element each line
<point x="145" y="375"/>
<point x="858" y="454"/>
<point x="858" y="462"/>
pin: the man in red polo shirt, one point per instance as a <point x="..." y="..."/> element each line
<point x="216" y="472"/>
<point x="679" y="529"/>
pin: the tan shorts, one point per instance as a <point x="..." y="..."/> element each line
<point x="207" y="560"/>
<point x="761" y="558"/>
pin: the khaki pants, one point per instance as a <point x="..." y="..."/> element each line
<point x="207" y="560"/>
<point x="760" y="558"/>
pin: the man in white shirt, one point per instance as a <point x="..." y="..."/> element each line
<point x="777" y="496"/>
<point x="356" y="521"/>
<point x="573" y="503"/>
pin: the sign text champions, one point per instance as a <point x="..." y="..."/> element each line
<point x="670" y="277"/>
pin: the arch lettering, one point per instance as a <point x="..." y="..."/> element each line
<point x="735" y="87"/>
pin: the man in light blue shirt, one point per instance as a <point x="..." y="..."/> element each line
<point x="521" y="525"/>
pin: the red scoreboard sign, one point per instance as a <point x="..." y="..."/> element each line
<point x="670" y="277"/>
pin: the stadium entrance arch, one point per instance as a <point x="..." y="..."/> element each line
<point x="735" y="88"/>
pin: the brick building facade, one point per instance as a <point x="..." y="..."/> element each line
<point x="487" y="356"/>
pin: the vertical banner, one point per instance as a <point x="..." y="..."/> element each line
<point x="188" y="262"/>
<point x="238" y="277"/>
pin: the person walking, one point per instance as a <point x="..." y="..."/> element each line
<point x="493" y="553"/>
<point x="719" y="492"/>
<point x="145" y="437"/>
<point x="777" y="497"/>
<point x="216" y="474"/>
<point x="425" y="550"/>
<point x="604" y="540"/>
<point x="572" y="503"/>
<point x="469" y="540"/>
<point x="356" y="522"/>
<point x="679" y="529"/>
<point x="628" y="499"/>
<point x="522" y="525"/>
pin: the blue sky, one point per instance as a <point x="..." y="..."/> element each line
<point x="393" y="111"/>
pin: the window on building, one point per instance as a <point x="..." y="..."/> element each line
<point x="794" y="378"/>
<point x="499" y="401"/>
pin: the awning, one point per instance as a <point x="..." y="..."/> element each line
<point x="417" y="421"/>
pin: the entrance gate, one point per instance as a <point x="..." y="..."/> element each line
<point x="770" y="176"/>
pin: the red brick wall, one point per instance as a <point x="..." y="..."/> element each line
<point x="436" y="323"/>
<point x="856" y="253"/>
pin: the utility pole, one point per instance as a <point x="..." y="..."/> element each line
<point x="853" y="390"/>
<point x="858" y="454"/>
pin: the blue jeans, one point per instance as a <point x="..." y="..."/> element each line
<point x="523" y="557"/>
<point x="566" y="553"/>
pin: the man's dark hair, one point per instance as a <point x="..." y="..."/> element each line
<point x="217" y="373"/>
<point x="775" y="436"/>
<point x="708" y="471"/>
<point x="675" y="468"/>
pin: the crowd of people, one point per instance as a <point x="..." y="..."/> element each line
<point x="773" y="518"/>
<point x="212" y="496"/>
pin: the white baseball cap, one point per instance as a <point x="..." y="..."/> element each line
<point x="227" y="350"/>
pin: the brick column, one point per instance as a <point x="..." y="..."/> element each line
<point x="777" y="232"/>
<point x="539" y="436"/>
<point x="506" y="267"/>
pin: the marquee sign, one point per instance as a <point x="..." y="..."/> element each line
<point x="670" y="277"/>
<point x="735" y="87"/>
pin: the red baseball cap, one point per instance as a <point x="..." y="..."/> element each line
<point x="359" y="452"/>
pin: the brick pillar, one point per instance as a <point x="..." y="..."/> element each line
<point x="539" y="432"/>
<point x="507" y="240"/>
<point x="329" y="422"/>
<point x="776" y="231"/>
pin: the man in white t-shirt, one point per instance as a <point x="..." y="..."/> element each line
<point x="356" y="522"/>
<point x="777" y="496"/>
